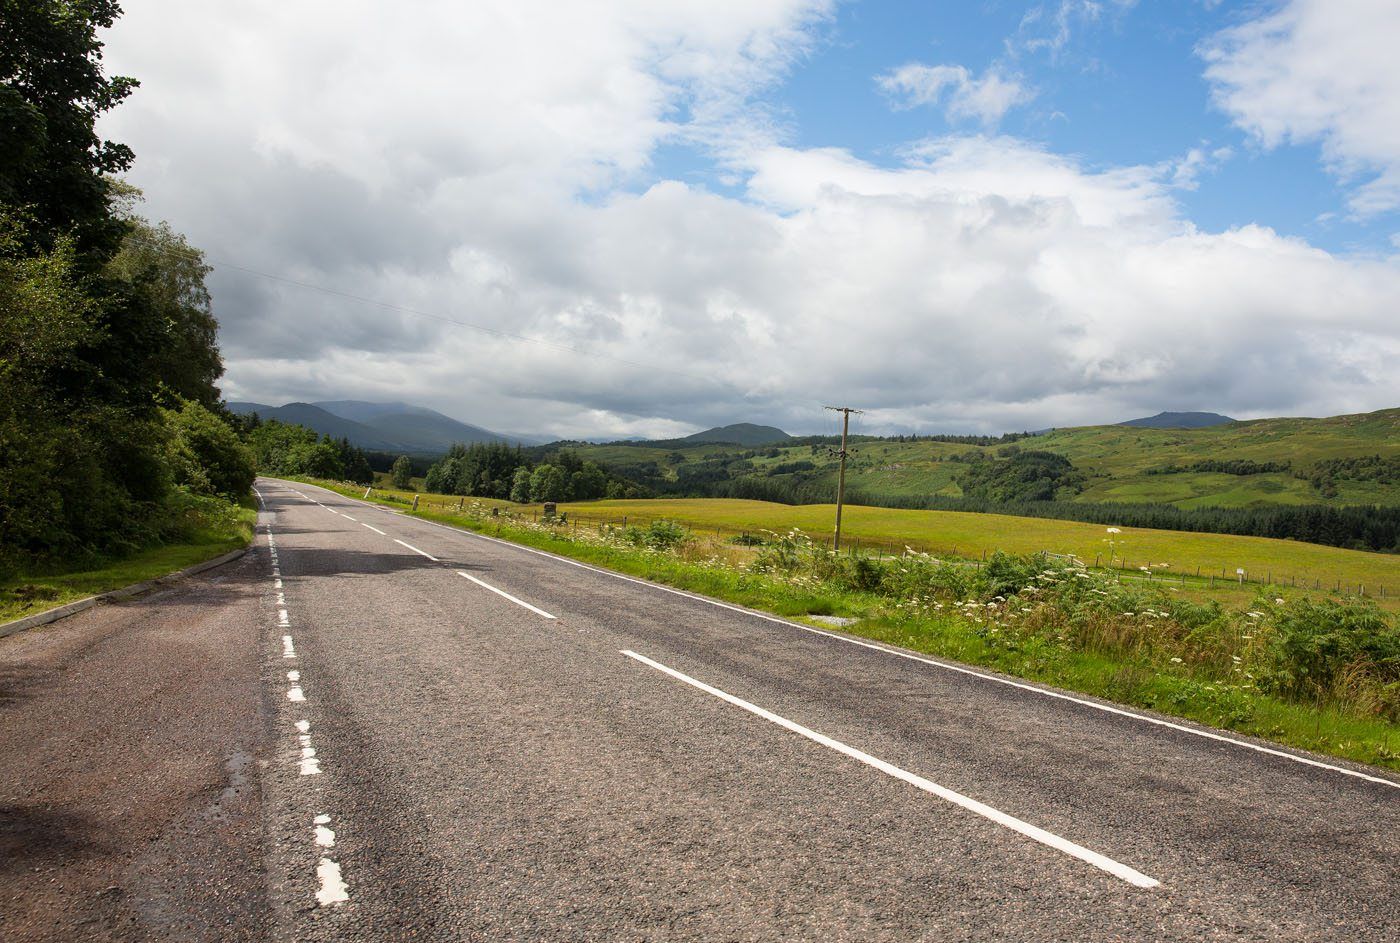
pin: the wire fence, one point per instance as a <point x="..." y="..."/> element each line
<point x="864" y="545"/>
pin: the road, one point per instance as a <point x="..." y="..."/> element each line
<point x="376" y="728"/>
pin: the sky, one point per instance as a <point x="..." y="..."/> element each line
<point x="618" y="218"/>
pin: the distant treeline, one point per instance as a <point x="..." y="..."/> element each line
<point x="497" y="470"/>
<point x="283" y="448"/>
<point x="1230" y="466"/>
<point x="1325" y="474"/>
<point x="1358" y="528"/>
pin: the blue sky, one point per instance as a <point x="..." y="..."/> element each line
<point x="1126" y="87"/>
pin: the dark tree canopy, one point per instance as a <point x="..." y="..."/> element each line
<point x="53" y="163"/>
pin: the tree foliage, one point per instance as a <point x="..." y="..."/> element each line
<point x="52" y="91"/>
<point x="283" y="448"/>
<point x="497" y="470"/>
<point x="1022" y="476"/>
<point x="402" y="472"/>
<point x="106" y="333"/>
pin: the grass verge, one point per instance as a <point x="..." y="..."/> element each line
<point x="199" y="529"/>
<point x="1107" y="656"/>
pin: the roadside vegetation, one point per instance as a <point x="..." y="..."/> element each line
<point x="1304" y="669"/>
<point x="196" y="528"/>
<point x="116" y="456"/>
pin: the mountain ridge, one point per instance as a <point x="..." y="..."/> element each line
<point x="1179" y="420"/>
<point x="380" y="427"/>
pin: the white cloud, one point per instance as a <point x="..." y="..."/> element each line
<point x="1049" y="29"/>
<point x="490" y="163"/>
<point x="986" y="99"/>
<point x="1324" y="71"/>
<point x="1186" y="172"/>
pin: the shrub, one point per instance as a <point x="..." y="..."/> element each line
<point x="1007" y="574"/>
<point x="658" y="535"/>
<point x="1319" y="647"/>
<point x="206" y="454"/>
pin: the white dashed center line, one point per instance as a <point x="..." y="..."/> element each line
<point x="333" y="890"/>
<point x="373" y="528"/>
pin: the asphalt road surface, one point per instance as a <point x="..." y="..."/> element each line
<point x="375" y="728"/>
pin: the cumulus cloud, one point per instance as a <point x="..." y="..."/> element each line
<point x="490" y="164"/>
<point x="986" y="98"/>
<point x="1324" y="71"/>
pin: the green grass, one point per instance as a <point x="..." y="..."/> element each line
<point x="958" y="533"/>
<point x="1143" y="677"/>
<point x="205" y="535"/>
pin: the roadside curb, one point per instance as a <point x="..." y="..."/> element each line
<point x="115" y="595"/>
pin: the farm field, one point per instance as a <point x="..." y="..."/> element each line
<point x="970" y="535"/>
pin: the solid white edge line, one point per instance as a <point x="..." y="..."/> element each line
<point x="970" y="672"/>
<point x="373" y="528"/>
<point x="417" y="551"/>
<point x="501" y="592"/>
<point x="1050" y="839"/>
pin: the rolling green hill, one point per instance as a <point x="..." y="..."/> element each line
<point x="1235" y="465"/>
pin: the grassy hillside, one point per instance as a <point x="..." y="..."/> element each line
<point x="1118" y="463"/>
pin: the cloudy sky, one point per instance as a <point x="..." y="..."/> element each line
<point x="623" y="217"/>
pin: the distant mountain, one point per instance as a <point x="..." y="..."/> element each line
<point x="380" y="427"/>
<point x="1179" y="421"/>
<point x="360" y="411"/>
<point x="741" y="433"/>
<point x="419" y="423"/>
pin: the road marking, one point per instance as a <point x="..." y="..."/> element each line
<point x="294" y="676"/>
<point x="277" y="584"/>
<point x="296" y="694"/>
<point x="417" y="551"/>
<point x="501" y="592"/>
<point x="333" y="890"/>
<point x="1050" y="839"/>
<point x="373" y="528"/>
<point x="910" y="656"/>
<point x="325" y="836"/>
<point x="349" y="518"/>
<point x="288" y="650"/>
<point x="282" y="617"/>
<point x="303" y="725"/>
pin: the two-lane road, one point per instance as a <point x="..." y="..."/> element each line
<point x="466" y="739"/>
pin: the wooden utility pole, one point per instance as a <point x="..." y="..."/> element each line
<point x="845" y="412"/>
